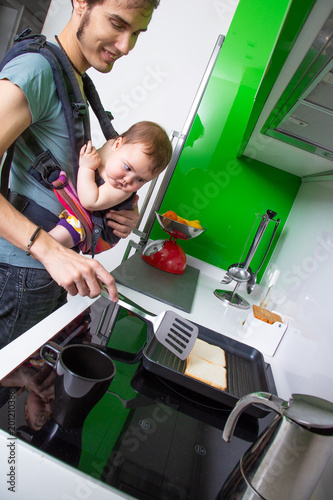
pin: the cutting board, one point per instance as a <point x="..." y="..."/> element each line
<point x="261" y="335"/>
<point x="176" y="290"/>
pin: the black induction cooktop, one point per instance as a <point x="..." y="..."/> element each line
<point x="148" y="436"/>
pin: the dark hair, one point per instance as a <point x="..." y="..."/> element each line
<point x="130" y="4"/>
<point x="156" y="143"/>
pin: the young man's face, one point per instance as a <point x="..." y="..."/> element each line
<point x="37" y="411"/>
<point x="108" y="31"/>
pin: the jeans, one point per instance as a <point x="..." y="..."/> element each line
<point x="27" y="296"/>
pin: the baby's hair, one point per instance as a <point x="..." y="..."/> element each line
<point x="155" y="141"/>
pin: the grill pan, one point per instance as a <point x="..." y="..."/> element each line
<point x="246" y="370"/>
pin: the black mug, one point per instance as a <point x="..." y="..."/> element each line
<point x="83" y="375"/>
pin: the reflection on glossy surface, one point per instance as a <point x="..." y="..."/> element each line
<point x="37" y="410"/>
<point x="145" y="435"/>
<point x="83" y="374"/>
<point x="58" y="441"/>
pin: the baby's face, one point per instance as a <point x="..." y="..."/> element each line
<point x="127" y="167"/>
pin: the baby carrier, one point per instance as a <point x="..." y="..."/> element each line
<point x="45" y="169"/>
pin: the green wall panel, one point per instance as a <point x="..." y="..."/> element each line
<point x="211" y="183"/>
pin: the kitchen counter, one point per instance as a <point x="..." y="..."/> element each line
<point x="298" y="365"/>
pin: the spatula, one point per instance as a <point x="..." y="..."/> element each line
<point x="172" y="330"/>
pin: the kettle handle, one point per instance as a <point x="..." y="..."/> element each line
<point x="264" y="398"/>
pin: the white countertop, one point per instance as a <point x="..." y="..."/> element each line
<point x="299" y="365"/>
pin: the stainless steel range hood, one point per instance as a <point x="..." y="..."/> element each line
<point x="294" y="131"/>
<point x="303" y="116"/>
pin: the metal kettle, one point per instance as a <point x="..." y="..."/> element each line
<point x="289" y="457"/>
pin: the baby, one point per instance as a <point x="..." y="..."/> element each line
<point x="108" y="177"/>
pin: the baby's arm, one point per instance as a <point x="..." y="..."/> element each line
<point x="90" y="195"/>
<point x="87" y="188"/>
<point x="69" y="231"/>
<point x="63" y="236"/>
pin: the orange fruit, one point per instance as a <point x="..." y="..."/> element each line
<point x="170" y="215"/>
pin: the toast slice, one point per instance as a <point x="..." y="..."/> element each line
<point x="208" y="352"/>
<point x="207" y="372"/>
<point x="265" y="315"/>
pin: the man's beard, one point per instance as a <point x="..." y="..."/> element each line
<point x="84" y="23"/>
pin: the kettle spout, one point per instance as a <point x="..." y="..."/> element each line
<point x="263" y="398"/>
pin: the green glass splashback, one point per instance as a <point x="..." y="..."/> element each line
<point x="211" y="183"/>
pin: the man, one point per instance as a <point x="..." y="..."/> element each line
<point x="98" y="33"/>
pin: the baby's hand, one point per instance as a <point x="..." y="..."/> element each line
<point x="89" y="157"/>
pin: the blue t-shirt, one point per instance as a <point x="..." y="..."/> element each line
<point x="33" y="74"/>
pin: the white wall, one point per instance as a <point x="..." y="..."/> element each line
<point x="304" y="257"/>
<point x="304" y="290"/>
<point x="158" y="80"/>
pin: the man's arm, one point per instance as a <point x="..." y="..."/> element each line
<point x="77" y="274"/>
<point x="15" y="114"/>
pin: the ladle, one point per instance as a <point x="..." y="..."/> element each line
<point x="234" y="267"/>
<point x="240" y="272"/>
<point x="253" y="278"/>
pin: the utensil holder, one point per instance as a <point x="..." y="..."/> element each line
<point x="240" y="272"/>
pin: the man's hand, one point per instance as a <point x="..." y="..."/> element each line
<point x="74" y="272"/>
<point x="123" y="221"/>
<point x="26" y="377"/>
<point x="78" y="274"/>
<point x="42" y="383"/>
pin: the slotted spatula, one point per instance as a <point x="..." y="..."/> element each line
<point x="173" y="331"/>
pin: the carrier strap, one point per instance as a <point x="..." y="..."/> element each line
<point x="5" y="169"/>
<point x="104" y="117"/>
<point x="66" y="194"/>
<point x="72" y="101"/>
